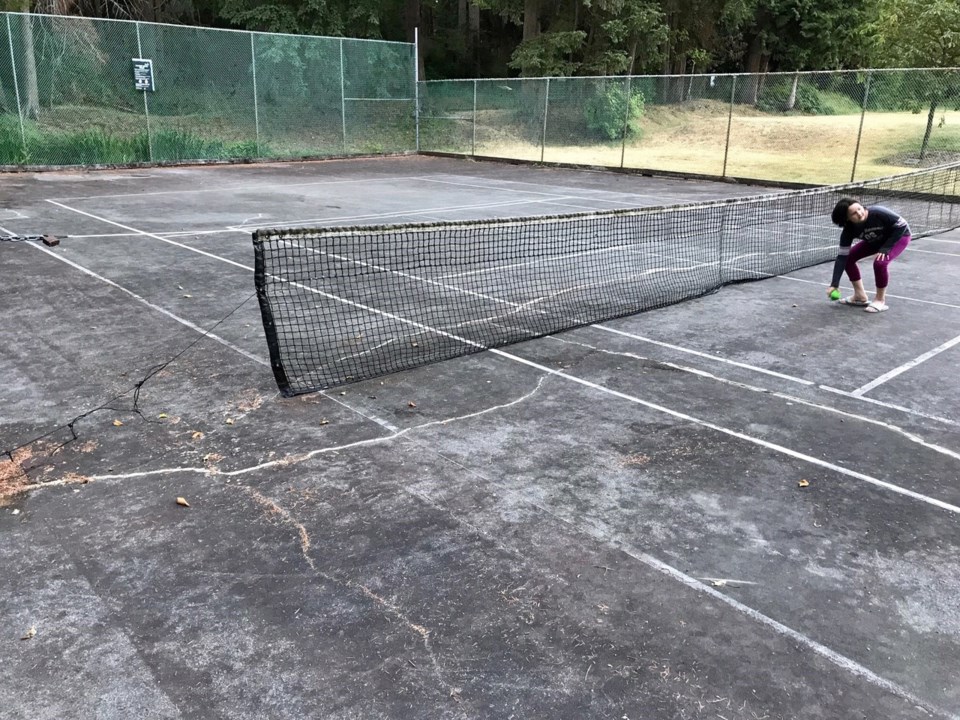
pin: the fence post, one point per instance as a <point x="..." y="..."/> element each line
<point x="343" y="102"/>
<point x="626" y="122"/>
<point x="16" y="87"/>
<point x="256" y="109"/>
<point x="146" y="104"/>
<point x="416" y="82"/>
<point x="546" y="111"/>
<point x="473" y="143"/>
<point x="863" y="113"/>
<point x="726" y="149"/>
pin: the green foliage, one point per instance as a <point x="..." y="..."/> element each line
<point x="99" y="147"/>
<point x="837" y="103"/>
<point x="85" y="147"/>
<point x="917" y="33"/>
<point x="349" y="18"/>
<point x="548" y="55"/>
<point x="248" y="149"/>
<point x="12" y="151"/>
<point x="775" y="98"/>
<point x="607" y="113"/>
<point x="185" y="145"/>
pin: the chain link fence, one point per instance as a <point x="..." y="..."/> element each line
<point x="68" y="97"/>
<point x="68" y="94"/>
<point x="810" y="127"/>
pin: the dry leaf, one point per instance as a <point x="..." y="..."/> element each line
<point x="117" y="423"/>
<point x="197" y="434"/>
<point x="229" y="421"/>
<point x="182" y="501"/>
<point x="411" y="404"/>
<point x="162" y="416"/>
<point x="324" y="422"/>
<point x="804" y="483"/>
<point x="30" y="633"/>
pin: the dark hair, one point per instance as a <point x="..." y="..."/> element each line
<point x="839" y="214"/>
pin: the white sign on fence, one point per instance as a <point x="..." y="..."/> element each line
<point x="143" y="74"/>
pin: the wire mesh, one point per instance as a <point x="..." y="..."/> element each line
<point x="67" y="94"/>
<point x="340" y="304"/>
<point x="801" y="127"/>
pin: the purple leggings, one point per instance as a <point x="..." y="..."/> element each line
<point x="861" y="250"/>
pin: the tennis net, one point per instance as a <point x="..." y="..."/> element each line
<point x="342" y="304"/>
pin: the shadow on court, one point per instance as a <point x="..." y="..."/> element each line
<point x="741" y="506"/>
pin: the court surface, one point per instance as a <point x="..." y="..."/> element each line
<point x="741" y="506"/>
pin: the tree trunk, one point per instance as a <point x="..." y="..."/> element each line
<point x="926" y="134"/>
<point x="474" y="12"/>
<point x="31" y="104"/>
<point x="411" y="19"/>
<point x="531" y="19"/>
<point x="754" y="60"/>
<point x="792" y="99"/>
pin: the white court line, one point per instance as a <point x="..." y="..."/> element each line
<point x="376" y="216"/>
<point x="906" y="366"/>
<point x="162" y="311"/>
<point x="934" y="252"/>
<point x="178" y="233"/>
<point x="688" y="351"/>
<point x="653" y="406"/>
<point x="841" y="661"/>
<point x="824" y="651"/>
<point x="150" y="234"/>
<point x="673" y="347"/>
<point x="774" y="393"/>
<point x="781" y="449"/>
<point x="758" y="441"/>
<point x="232" y="189"/>
<point x="495" y="187"/>
<point x="898" y="297"/>
<point x="943" y="240"/>
<point x="765" y="371"/>
<point x="891" y="406"/>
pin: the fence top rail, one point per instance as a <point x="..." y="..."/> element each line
<point x="209" y="29"/>
<point x="783" y="73"/>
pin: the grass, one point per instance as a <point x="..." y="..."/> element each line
<point x="685" y="138"/>
<point x="785" y="147"/>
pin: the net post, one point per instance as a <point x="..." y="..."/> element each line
<point x="146" y="103"/>
<point x="343" y="102"/>
<point x="256" y="109"/>
<point x="546" y="111"/>
<point x="473" y="142"/>
<point x="726" y="147"/>
<point x="261" y="280"/>
<point x="16" y="87"/>
<point x="863" y="113"/>
<point x="626" y="122"/>
<point x="416" y="82"/>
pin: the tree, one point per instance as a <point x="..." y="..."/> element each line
<point x="345" y="18"/>
<point x="30" y="100"/>
<point x="623" y="35"/>
<point x="921" y="33"/>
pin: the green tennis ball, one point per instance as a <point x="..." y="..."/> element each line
<point x="835" y="295"/>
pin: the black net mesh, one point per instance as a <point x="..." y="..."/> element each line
<point x="343" y="304"/>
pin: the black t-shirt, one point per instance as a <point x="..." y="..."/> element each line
<point x="881" y="230"/>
